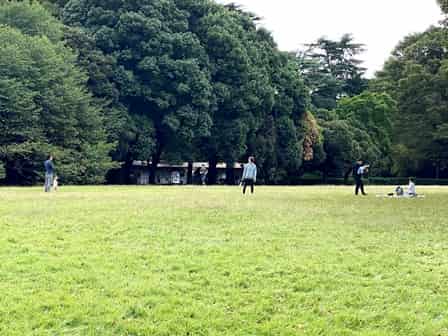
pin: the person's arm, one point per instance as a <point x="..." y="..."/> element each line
<point x="244" y="173"/>
<point x="363" y="169"/>
<point x="255" y="174"/>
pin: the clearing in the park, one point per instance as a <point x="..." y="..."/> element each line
<point x="208" y="261"/>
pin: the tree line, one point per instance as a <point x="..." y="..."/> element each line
<point x="100" y="84"/>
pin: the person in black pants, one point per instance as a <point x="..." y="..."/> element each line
<point x="249" y="175"/>
<point x="358" y="171"/>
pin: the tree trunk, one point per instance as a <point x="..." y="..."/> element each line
<point x="325" y="175"/>
<point x="125" y="175"/>
<point x="346" y="175"/>
<point x="154" y="163"/>
<point x="437" y="170"/>
<point x="230" y="173"/>
<point x="212" y="171"/>
<point x="190" y="173"/>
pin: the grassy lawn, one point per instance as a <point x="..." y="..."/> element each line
<point x="206" y="261"/>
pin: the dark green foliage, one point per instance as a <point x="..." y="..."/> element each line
<point x="159" y="68"/>
<point x="370" y="115"/>
<point x="31" y="19"/>
<point x="332" y="70"/>
<point x="200" y="79"/>
<point x="359" y="128"/>
<point x="44" y="105"/>
<point x="417" y="77"/>
<point x="444" y="5"/>
<point x="184" y="80"/>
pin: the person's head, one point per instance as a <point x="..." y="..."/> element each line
<point x="411" y="180"/>
<point x="50" y="157"/>
<point x="360" y="162"/>
<point x="251" y="159"/>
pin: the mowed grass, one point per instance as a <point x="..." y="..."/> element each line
<point x="208" y="261"/>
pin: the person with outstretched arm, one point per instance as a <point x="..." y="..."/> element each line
<point x="49" y="172"/>
<point x="249" y="175"/>
<point x="361" y="169"/>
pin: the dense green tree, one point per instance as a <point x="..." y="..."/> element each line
<point x="332" y="70"/>
<point x="31" y="19"/>
<point x="161" y="69"/>
<point x="257" y="92"/>
<point x="45" y="106"/>
<point x="240" y="84"/>
<point x="443" y="5"/>
<point x="416" y="76"/>
<point x="372" y="113"/>
<point x="359" y="128"/>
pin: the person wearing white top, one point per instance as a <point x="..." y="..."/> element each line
<point x="411" y="188"/>
<point x="361" y="169"/>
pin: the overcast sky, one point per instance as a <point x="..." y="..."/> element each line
<point x="380" y="24"/>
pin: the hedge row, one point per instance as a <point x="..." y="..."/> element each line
<point x="395" y="181"/>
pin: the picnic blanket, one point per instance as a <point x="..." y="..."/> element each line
<point x="403" y="196"/>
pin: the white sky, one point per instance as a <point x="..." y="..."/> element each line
<point x="379" y="24"/>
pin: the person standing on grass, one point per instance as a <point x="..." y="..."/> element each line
<point x="49" y="172"/>
<point x="249" y="175"/>
<point x="361" y="169"/>
<point x="203" y="172"/>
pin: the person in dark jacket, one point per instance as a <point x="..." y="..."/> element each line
<point x="359" y="170"/>
<point x="49" y="173"/>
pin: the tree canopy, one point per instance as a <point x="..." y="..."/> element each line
<point x="100" y="84"/>
<point x="45" y="107"/>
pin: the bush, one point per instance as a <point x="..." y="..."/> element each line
<point x="395" y="181"/>
<point x="2" y="171"/>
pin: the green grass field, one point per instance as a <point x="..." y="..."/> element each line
<point x="207" y="261"/>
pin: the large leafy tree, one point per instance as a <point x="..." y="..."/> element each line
<point x="254" y="90"/>
<point x="359" y="128"/>
<point x="443" y="5"/>
<point x="44" y="104"/>
<point x="332" y="70"/>
<point x="241" y="87"/>
<point x="260" y="99"/>
<point x="161" y="70"/>
<point x="371" y="113"/>
<point x="416" y="76"/>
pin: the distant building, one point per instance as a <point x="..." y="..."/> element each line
<point x="169" y="174"/>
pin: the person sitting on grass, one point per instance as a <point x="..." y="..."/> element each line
<point x="399" y="191"/>
<point x="411" y="188"/>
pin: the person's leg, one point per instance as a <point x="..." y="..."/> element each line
<point x="357" y="186"/>
<point x="244" y="186"/>
<point x="48" y="182"/>
<point x="362" y="188"/>
<point x="252" y="184"/>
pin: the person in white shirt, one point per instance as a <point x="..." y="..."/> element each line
<point x="411" y="188"/>
<point x="55" y="183"/>
<point x="361" y="170"/>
